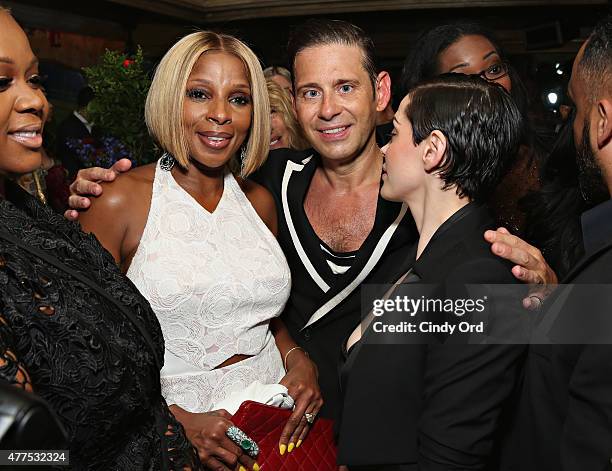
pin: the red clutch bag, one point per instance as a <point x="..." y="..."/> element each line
<point x="264" y="424"/>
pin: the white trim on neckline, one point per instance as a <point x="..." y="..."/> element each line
<point x="371" y="263"/>
<point x="297" y="244"/>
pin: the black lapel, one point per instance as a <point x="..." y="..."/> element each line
<point x="386" y="213"/>
<point x="584" y="262"/>
<point x="389" y="218"/>
<point x="295" y="183"/>
<point x="441" y="249"/>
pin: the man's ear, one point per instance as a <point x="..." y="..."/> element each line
<point x="383" y="90"/>
<point x="435" y="149"/>
<point x="604" y="122"/>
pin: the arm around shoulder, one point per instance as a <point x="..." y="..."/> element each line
<point x="112" y="214"/>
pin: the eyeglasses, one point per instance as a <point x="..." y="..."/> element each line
<point x="495" y="72"/>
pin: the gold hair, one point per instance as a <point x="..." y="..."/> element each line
<point x="164" y="105"/>
<point x="280" y="101"/>
<point x="273" y="70"/>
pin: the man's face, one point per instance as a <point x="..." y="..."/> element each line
<point x="590" y="178"/>
<point x="335" y="103"/>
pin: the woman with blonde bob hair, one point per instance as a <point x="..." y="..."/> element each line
<point x="164" y="106"/>
<point x="286" y="131"/>
<point x="199" y="243"/>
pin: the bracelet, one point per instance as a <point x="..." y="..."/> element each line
<point x="290" y="350"/>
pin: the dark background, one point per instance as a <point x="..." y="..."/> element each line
<point x="541" y="37"/>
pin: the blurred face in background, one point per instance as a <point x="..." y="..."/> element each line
<point x="279" y="133"/>
<point x="283" y="83"/>
<point x="23" y="106"/>
<point x="475" y="55"/>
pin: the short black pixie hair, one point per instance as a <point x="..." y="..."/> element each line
<point x="322" y="32"/>
<point x="595" y="67"/>
<point x="481" y="123"/>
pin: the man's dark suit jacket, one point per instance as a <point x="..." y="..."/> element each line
<point x="564" y="417"/>
<point x="436" y="406"/>
<point x="70" y="128"/>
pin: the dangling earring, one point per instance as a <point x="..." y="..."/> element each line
<point x="166" y="162"/>
<point x="242" y="154"/>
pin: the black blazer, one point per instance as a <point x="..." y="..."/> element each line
<point x="564" y="417"/>
<point x="432" y="407"/>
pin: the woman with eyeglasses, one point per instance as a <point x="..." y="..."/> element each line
<point x="470" y="49"/>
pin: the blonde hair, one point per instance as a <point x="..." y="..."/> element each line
<point x="164" y="105"/>
<point x="273" y="70"/>
<point x="280" y="101"/>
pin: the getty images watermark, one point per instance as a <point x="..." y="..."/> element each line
<point x="485" y="314"/>
<point x="414" y="308"/>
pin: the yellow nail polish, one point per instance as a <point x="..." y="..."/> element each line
<point x="255" y="467"/>
<point x="282" y="449"/>
<point x="291" y="447"/>
<point x="242" y="468"/>
<point x="297" y="445"/>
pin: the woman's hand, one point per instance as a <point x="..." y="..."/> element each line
<point x="206" y="432"/>
<point x="530" y="265"/>
<point x="86" y="185"/>
<point x="301" y="381"/>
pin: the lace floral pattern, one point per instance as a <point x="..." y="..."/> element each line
<point x="79" y="353"/>
<point x="214" y="280"/>
<point x="200" y="391"/>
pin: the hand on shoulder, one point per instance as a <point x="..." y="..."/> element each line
<point x="118" y="216"/>
<point x="87" y="185"/>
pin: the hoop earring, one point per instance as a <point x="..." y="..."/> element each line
<point x="166" y="162"/>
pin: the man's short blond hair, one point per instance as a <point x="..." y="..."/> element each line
<point x="164" y="106"/>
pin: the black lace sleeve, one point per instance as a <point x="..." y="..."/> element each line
<point x="11" y="370"/>
<point x="181" y="454"/>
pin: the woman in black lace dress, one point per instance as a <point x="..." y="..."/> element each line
<point x="73" y="329"/>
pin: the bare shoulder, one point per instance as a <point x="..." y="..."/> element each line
<point x="129" y="188"/>
<point x="262" y="201"/>
<point x="121" y="201"/>
<point x="117" y="217"/>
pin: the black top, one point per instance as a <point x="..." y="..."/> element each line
<point x="597" y="227"/>
<point x="564" y="417"/>
<point x="436" y="405"/>
<point x="323" y="308"/>
<point x="75" y="349"/>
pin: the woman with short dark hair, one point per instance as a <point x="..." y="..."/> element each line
<point x="436" y="401"/>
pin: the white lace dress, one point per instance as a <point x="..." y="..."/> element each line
<point x="214" y="280"/>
